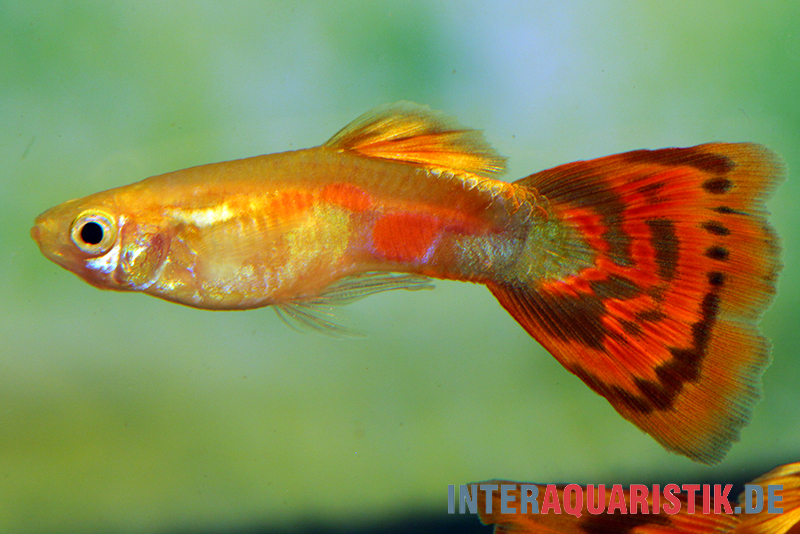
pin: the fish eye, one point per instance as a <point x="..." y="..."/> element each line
<point x="94" y="232"/>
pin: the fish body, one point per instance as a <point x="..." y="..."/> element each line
<point x="643" y="273"/>
<point x="283" y="227"/>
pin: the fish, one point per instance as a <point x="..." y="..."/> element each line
<point x="674" y="517"/>
<point x="644" y="273"/>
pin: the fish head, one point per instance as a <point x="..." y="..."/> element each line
<point x="106" y="245"/>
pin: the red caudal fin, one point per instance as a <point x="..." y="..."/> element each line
<point x="661" y="319"/>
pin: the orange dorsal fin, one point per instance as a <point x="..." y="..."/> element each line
<point x="765" y="522"/>
<point x="662" y="320"/>
<point x="415" y="134"/>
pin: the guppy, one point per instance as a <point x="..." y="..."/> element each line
<point x="643" y="273"/>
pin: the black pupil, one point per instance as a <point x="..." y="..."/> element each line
<point x="92" y="233"/>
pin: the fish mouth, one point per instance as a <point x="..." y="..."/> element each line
<point x="35" y="234"/>
<point x="45" y="232"/>
<point x="43" y="229"/>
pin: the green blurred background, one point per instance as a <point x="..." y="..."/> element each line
<point x="123" y="413"/>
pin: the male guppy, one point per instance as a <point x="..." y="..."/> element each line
<point x="643" y="273"/>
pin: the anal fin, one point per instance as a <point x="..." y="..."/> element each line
<point x="316" y="313"/>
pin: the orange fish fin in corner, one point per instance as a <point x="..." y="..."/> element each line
<point x="662" y="323"/>
<point x="415" y="134"/>
<point x="765" y="522"/>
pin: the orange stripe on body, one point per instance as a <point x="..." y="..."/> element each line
<point x="347" y="196"/>
<point x="408" y="236"/>
<point x="405" y="236"/>
<point x="288" y="204"/>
